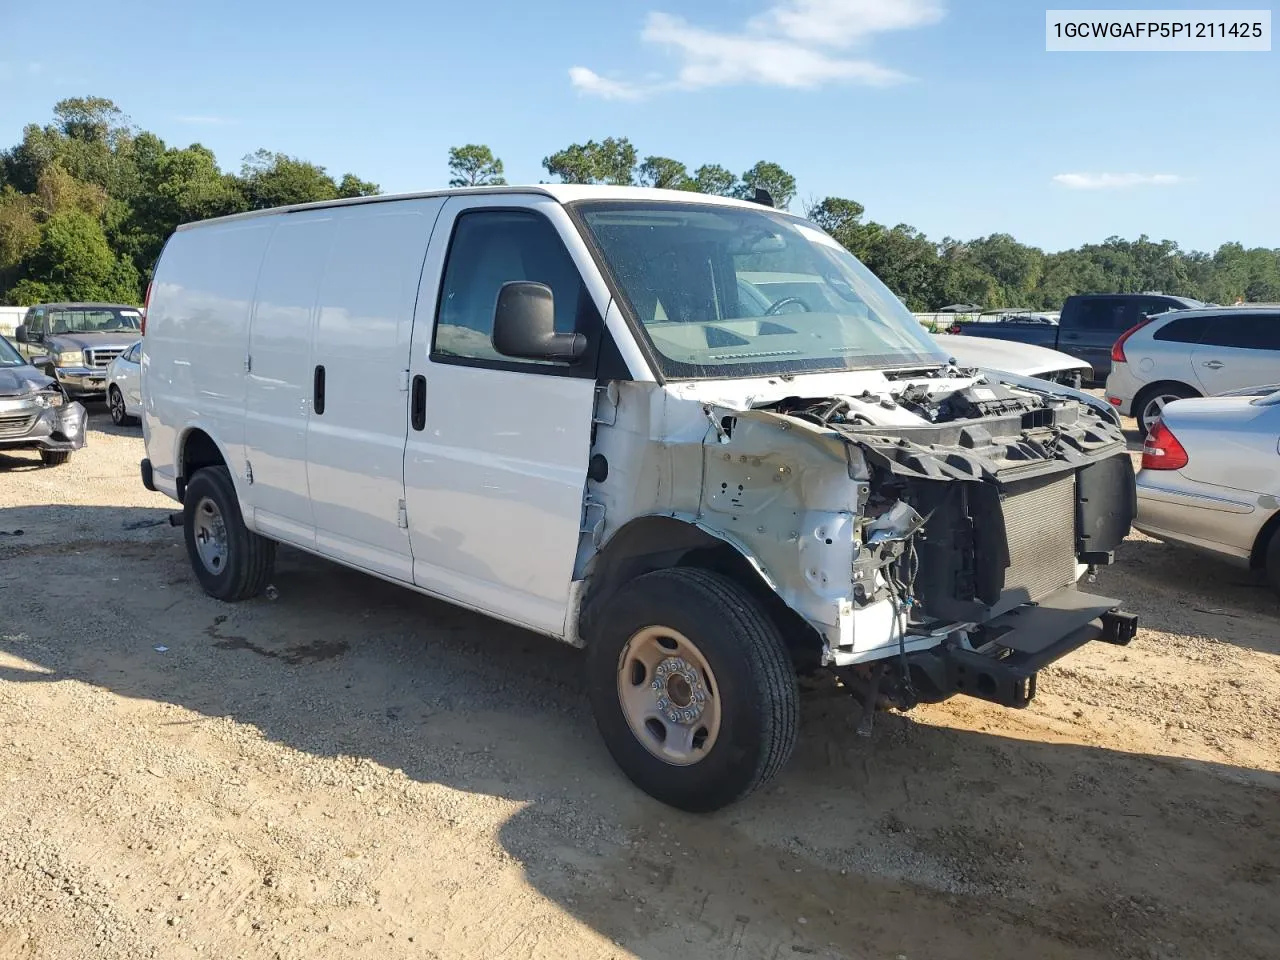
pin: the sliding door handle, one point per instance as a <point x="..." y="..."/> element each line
<point x="317" y="390"/>
<point x="418" y="403"/>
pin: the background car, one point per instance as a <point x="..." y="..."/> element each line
<point x="124" y="386"/>
<point x="77" y="341"/>
<point x="1210" y="479"/>
<point x="1088" y="325"/>
<point x="1192" y="353"/>
<point x="35" y="413"/>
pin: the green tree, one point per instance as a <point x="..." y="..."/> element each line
<point x="276" y="179"/>
<point x="611" y="161"/>
<point x="663" y="173"/>
<point x="769" y="176"/>
<point x="715" y="179"/>
<point x="906" y="261"/>
<point x="180" y="186"/>
<point x="474" y="165"/>
<point x="74" y="262"/>
<point x="353" y="186"/>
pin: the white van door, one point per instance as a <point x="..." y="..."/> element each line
<point x="278" y="384"/>
<point x="496" y="461"/>
<point x="360" y="382"/>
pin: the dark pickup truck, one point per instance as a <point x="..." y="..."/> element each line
<point x="1090" y="323"/>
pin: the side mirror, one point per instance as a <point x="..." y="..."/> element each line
<point x="20" y="333"/>
<point x="40" y="360"/>
<point x="524" y="325"/>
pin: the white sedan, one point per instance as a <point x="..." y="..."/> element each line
<point x="124" y="386"/>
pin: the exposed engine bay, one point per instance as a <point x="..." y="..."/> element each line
<point x="980" y="501"/>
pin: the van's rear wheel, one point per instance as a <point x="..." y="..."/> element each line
<point x="693" y="689"/>
<point x="231" y="562"/>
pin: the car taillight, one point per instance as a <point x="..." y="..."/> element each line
<point x="1162" y="451"/>
<point x="1117" y="348"/>
<point x="146" y="307"/>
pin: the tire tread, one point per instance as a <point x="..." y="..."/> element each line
<point x="768" y="662"/>
<point x="252" y="556"/>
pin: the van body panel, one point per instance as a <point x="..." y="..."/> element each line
<point x="279" y="380"/>
<point x="361" y="335"/>
<point x="193" y="357"/>
<point x="494" y="482"/>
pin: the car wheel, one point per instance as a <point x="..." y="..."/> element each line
<point x="693" y="690"/>
<point x="1272" y="561"/>
<point x="1151" y="403"/>
<point x="54" y="458"/>
<point x="231" y="562"/>
<point x="115" y="403"/>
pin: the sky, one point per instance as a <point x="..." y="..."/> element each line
<point x="946" y="115"/>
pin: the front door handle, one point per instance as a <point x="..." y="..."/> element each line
<point x="1212" y="364"/>
<point x="317" y="391"/>
<point x="418" y="403"/>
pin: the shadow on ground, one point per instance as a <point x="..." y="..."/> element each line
<point x="920" y="841"/>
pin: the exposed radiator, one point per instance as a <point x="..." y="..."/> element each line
<point x="1040" y="522"/>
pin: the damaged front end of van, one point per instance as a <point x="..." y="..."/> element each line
<point x="929" y="533"/>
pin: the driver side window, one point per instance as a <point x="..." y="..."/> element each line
<point x="490" y="248"/>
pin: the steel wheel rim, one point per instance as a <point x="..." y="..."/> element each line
<point x="669" y="695"/>
<point x="117" y="406"/>
<point x="211" y="536"/>
<point x="1155" y="408"/>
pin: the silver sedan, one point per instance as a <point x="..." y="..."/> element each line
<point x="1210" y="478"/>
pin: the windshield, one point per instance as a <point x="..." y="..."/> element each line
<point x="9" y="357"/>
<point x="93" y="320"/>
<point x="735" y="292"/>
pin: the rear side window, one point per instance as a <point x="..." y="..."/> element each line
<point x="490" y="248"/>
<point x="1254" y="331"/>
<point x="1183" y="330"/>
<point x="1105" y="314"/>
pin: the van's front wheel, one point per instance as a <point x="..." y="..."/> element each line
<point x="231" y="562"/>
<point x="693" y="689"/>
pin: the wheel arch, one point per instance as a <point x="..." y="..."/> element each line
<point x="1148" y="390"/>
<point x="1258" y="555"/>
<point x="650" y="543"/>
<point x="197" y="449"/>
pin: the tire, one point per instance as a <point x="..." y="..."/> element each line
<point x="1162" y="394"/>
<point x="242" y="566"/>
<point x="749" y="680"/>
<point x="1271" y="562"/>
<point x="54" y="458"/>
<point x="115" y="404"/>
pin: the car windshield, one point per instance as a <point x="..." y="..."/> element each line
<point x="9" y="356"/>
<point x="735" y="292"/>
<point x="94" y="320"/>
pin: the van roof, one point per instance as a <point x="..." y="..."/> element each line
<point x="562" y="192"/>
<point x="82" y="305"/>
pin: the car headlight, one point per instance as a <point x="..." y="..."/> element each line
<point x="50" y="398"/>
<point x="69" y="358"/>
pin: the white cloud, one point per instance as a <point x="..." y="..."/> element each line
<point x="204" y="120"/>
<point x="1110" y="181"/>
<point x="588" y="81"/>
<point x="795" y="44"/>
<point x="837" y="23"/>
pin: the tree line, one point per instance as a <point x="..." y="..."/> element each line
<point x="87" y="201"/>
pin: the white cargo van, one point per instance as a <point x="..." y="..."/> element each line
<point x="693" y="435"/>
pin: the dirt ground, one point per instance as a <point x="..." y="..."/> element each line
<point x="352" y="771"/>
